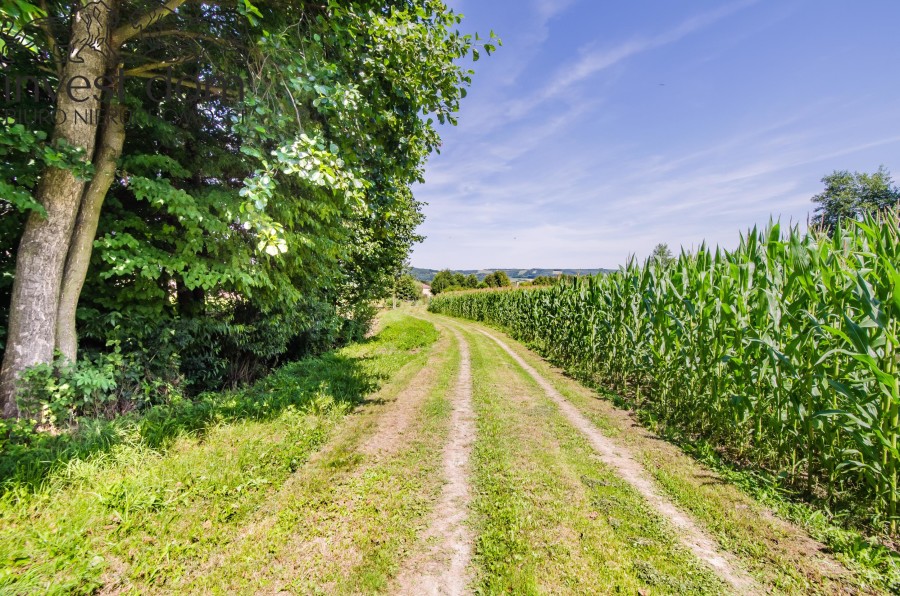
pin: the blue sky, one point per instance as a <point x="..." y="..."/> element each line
<point x="601" y="128"/>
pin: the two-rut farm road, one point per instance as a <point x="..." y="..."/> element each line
<point x="435" y="457"/>
<point x="561" y="506"/>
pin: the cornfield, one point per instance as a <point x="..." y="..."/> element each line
<point x="781" y="353"/>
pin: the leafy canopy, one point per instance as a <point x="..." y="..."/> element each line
<point x="246" y="227"/>
<point x="849" y="195"/>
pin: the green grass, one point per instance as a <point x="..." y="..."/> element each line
<point x="345" y="522"/>
<point x="171" y="488"/>
<point x="549" y="516"/>
<point x="731" y="504"/>
<point x="874" y="564"/>
<point x="269" y="489"/>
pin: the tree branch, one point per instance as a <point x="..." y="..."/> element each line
<point x="221" y="91"/>
<point x="135" y="28"/>
<point x="185" y="34"/>
<point x="157" y="65"/>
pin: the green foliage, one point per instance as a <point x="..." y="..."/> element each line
<point x="447" y="280"/>
<point x="55" y="396"/>
<point x="497" y="279"/>
<point x="28" y="456"/>
<point x="408" y="288"/>
<point x="661" y="255"/>
<point x="23" y="152"/>
<point x="18" y="176"/>
<point x="782" y="354"/>
<point x="849" y="195"/>
<point x="544" y="280"/>
<point x="15" y="15"/>
<point x="239" y="234"/>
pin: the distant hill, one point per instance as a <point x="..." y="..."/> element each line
<point x="426" y="275"/>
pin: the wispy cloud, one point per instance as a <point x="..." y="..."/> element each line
<point x="585" y="170"/>
<point x="547" y="9"/>
<point x="594" y="60"/>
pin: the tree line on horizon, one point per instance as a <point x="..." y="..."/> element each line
<point x="847" y="196"/>
<point x="449" y="281"/>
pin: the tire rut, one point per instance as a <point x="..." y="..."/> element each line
<point x="620" y="459"/>
<point x="443" y="568"/>
<point x="391" y="418"/>
<point x="394" y="424"/>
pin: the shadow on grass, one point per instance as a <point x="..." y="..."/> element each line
<point x="28" y="457"/>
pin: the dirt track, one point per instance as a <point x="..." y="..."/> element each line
<point x="633" y="472"/>
<point x="443" y="568"/>
<point x="475" y="467"/>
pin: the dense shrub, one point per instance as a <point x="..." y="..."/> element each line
<point x="408" y="288"/>
<point x="28" y="453"/>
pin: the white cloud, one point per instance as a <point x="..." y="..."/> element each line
<point x="593" y="61"/>
<point x="527" y="183"/>
<point x="547" y="9"/>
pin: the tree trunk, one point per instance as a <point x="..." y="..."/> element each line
<point x="41" y="257"/>
<point x="82" y="243"/>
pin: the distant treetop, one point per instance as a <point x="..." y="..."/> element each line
<point x="848" y="195"/>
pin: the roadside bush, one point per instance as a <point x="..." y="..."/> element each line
<point x="408" y="288"/>
<point x="497" y="279"/>
<point x="544" y="280"/>
<point x="97" y="386"/>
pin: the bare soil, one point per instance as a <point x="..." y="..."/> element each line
<point x="328" y="537"/>
<point x="443" y="567"/>
<point x="633" y="472"/>
<point x="393" y="426"/>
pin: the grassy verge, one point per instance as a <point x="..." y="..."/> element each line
<point x="172" y="487"/>
<point x="875" y="565"/>
<point x="345" y="522"/>
<point x="732" y="505"/>
<point x="550" y="518"/>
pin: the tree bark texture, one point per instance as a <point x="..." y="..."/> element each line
<point x="44" y="246"/>
<point x="82" y="242"/>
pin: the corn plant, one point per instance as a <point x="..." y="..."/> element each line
<point x="782" y="353"/>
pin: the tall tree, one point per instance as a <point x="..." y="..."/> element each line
<point x="314" y="179"/>
<point x="662" y="255"/>
<point x="848" y="195"/>
<point x="442" y="281"/>
<point x="43" y="248"/>
<point x="497" y="279"/>
<point x="408" y="288"/>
